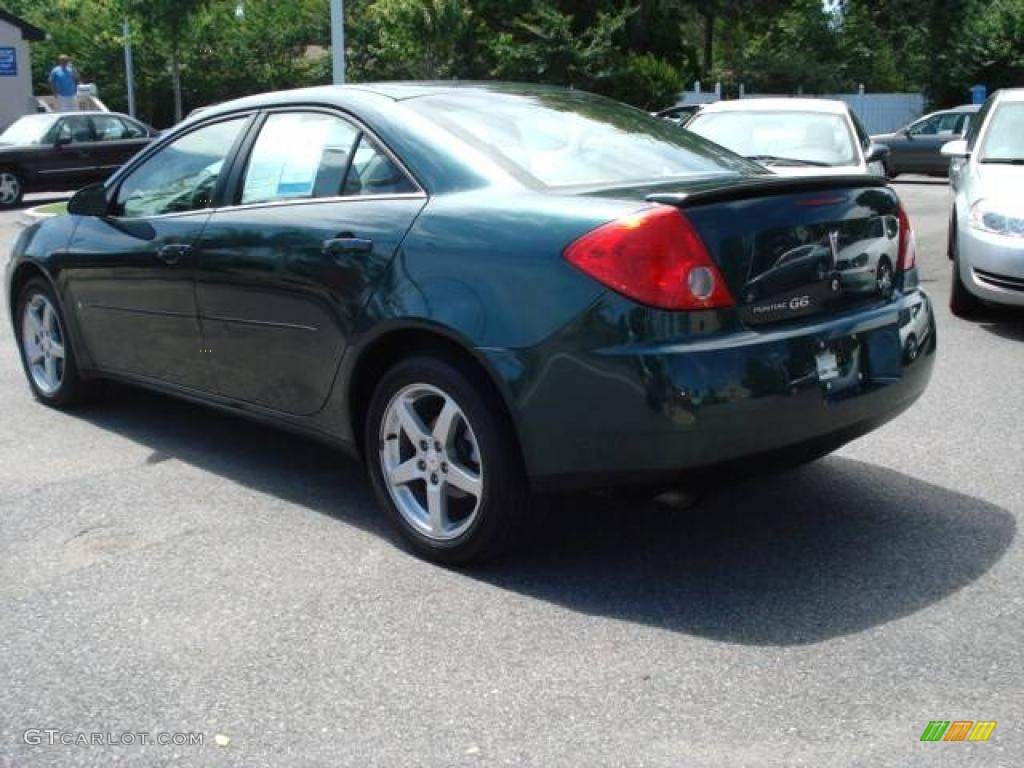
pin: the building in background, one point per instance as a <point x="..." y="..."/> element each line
<point x="16" y="67"/>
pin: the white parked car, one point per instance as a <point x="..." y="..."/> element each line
<point x="986" y="227"/>
<point x="792" y="137"/>
<point x="868" y="264"/>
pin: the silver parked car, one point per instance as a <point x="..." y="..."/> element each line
<point x="791" y="136"/>
<point x="986" y="227"/>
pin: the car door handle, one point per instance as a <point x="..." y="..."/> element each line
<point x="337" y="246"/>
<point x="173" y="253"/>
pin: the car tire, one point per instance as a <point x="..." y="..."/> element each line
<point x="885" y="278"/>
<point x="444" y="462"/>
<point x="12" y="188"/>
<point x="962" y="302"/>
<point x="46" y="349"/>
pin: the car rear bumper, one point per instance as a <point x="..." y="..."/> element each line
<point x="649" y="412"/>
<point x="992" y="267"/>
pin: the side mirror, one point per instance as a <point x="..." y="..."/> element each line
<point x="62" y="141"/>
<point x="876" y="153"/>
<point x="956" y="148"/>
<point x="89" y="201"/>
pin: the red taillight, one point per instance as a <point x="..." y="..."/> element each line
<point x="655" y="257"/>
<point x="908" y="242"/>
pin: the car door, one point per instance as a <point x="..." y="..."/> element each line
<point x="131" y="274"/>
<point x="925" y="140"/>
<point x="69" y="160"/>
<point x="321" y="208"/>
<point x="117" y="141"/>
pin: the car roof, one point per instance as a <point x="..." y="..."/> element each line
<point x="824" y="106"/>
<point x="1011" y="94"/>
<point x="345" y="95"/>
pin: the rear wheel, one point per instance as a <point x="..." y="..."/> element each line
<point x="47" y="354"/>
<point x="444" y="462"/>
<point x="12" y="188"/>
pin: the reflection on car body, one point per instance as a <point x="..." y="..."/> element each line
<point x="866" y="264"/>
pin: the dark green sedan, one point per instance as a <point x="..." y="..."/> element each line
<point x="482" y="290"/>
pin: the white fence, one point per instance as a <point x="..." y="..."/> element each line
<point x="880" y="112"/>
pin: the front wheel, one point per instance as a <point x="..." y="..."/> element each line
<point x="12" y="188"/>
<point x="46" y="350"/>
<point x="444" y="462"/>
<point x="962" y="302"/>
<point x="885" y="282"/>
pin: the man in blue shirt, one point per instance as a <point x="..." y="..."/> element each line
<point x="64" y="82"/>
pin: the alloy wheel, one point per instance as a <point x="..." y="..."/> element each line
<point x="884" y="280"/>
<point x="10" y="188"/>
<point x="43" y="341"/>
<point x="431" y="462"/>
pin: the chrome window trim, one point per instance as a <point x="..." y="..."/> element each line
<point x="275" y="204"/>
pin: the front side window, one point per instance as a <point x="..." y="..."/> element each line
<point x="77" y="129"/>
<point x="181" y="176"/>
<point x="787" y="137"/>
<point x="299" y="155"/>
<point x="1004" y="136"/>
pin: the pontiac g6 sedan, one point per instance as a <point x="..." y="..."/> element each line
<point x="480" y="290"/>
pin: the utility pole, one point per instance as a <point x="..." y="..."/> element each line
<point x="129" y="68"/>
<point x="338" y="41"/>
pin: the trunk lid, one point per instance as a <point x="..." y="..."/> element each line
<point x="797" y="246"/>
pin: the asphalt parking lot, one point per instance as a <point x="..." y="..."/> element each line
<point x="164" y="568"/>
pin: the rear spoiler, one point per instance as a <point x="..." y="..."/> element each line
<point x="762" y="186"/>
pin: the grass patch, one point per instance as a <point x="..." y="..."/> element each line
<point x="54" y="209"/>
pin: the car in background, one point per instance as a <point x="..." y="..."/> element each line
<point x="867" y="261"/>
<point x="480" y="290"/>
<point x="680" y="113"/>
<point x="916" y="147"/>
<point x="986" y="225"/>
<point x="62" y="151"/>
<point x="792" y="137"/>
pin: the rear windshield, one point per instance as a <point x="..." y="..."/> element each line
<point x="562" y="139"/>
<point x="820" y="138"/>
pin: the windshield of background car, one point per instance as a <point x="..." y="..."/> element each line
<point x="1004" y="137"/>
<point x="814" y="137"/>
<point x="27" y="130"/>
<point x="567" y="139"/>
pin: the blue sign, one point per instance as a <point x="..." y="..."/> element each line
<point x="978" y="93"/>
<point x="8" y="62"/>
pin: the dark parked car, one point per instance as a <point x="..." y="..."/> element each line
<point x="51" y="152"/>
<point x="916" y="148"/>
<point x="480" y="290"/>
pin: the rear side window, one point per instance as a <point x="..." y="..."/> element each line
<point x="374" y="173"/>
<point x="181" y="176"/>
<point x="299" y="155"/>
<point x="110" y="128"/>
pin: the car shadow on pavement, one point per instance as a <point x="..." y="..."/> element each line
<point x="829" y="549"/>
<point x="1006" y="323"/>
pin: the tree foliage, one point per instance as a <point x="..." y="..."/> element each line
<point x="641" y="51"/>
